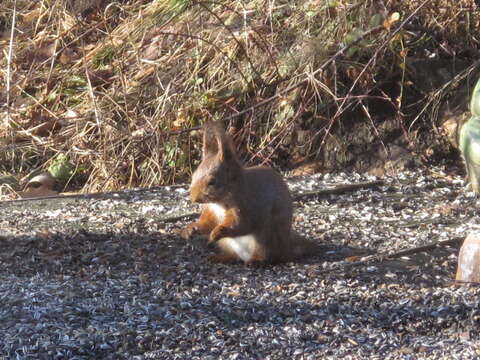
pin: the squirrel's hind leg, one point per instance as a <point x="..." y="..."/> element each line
<point x="229" y="257"/>
<point x="223" y="258"/>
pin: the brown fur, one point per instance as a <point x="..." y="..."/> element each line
<point x="240" y="201"/>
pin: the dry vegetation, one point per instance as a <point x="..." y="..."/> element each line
<point x="113" y="89"/>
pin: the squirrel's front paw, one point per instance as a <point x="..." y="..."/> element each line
<point x="217" y="233"/>
<point x="189" y="231"/>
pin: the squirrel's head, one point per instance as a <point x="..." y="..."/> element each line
<point x="219" y="170"/>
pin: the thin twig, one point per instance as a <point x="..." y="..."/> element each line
<point x="8" y="118"/>
<point x="239" y="44"/>
<point x="339" y="189"/>
<point x="9" y="63"/>
<point x="99" y="195"/>
<point x="308" y="76"/>
<point x="377" y="258"/>
<point x="367" y="65"/>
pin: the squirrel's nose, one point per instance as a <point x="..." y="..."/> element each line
<point x="196" y="194"/>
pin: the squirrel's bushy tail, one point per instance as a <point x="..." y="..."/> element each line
<point x="302" y="247"/>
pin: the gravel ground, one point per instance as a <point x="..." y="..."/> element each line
<point x="109" y="278"/>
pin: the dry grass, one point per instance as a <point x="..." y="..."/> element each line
<point x="117" y="92"/>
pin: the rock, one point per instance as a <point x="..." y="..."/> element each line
<point x="451" y="126"/>
<point x="468" y="267"/>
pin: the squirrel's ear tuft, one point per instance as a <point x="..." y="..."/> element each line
<point x="210" y="143"/>
<point x="226" y="151"/>
<point x="217" y="142"/>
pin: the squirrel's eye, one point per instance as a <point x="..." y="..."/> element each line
<point x="212" y="182"/>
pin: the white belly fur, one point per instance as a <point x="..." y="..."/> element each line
<point x="243" y="246"/>
<point x="218" y="210"/>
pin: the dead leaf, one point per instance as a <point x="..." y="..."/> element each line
<point x="44" y="51"/>
<point x="68" y="56"/>
<point x="139" y="133"/>
<point x="308" y="168"/>
<point x="99" y="77"/>
<point x="142" y="74"/>
<point x="31" y="16"/>
<point x="392" y="19"/>
<point x="352" y="259"/>
<point x="47" y="128"/>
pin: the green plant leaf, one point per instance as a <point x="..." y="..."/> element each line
<point x="62" y="169"/>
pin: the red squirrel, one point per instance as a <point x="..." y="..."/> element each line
<point x="246" y="211"/>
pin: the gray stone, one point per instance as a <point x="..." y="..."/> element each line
<point x="468" y="267"/>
